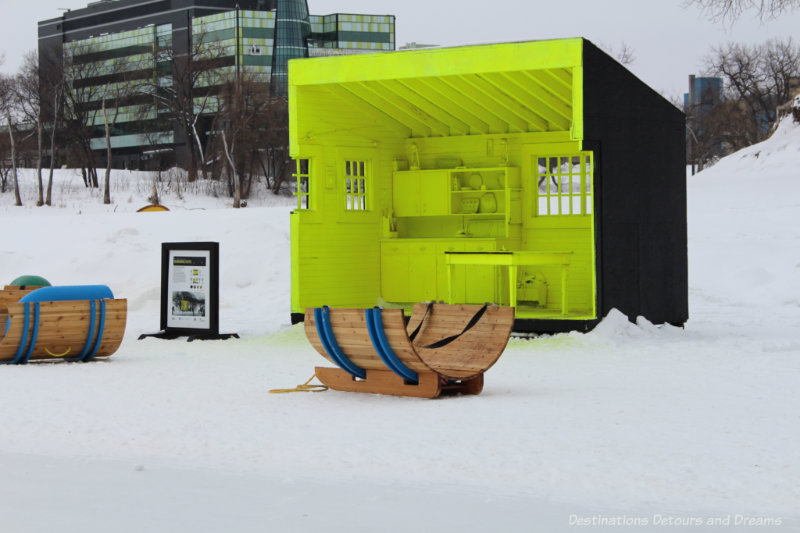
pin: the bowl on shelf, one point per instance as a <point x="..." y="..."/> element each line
<point x="470" y="205"/>
<point x="487" y="203"/>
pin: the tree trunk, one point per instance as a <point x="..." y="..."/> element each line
<point x="191" y="171"/>
<point x="40" y="201"/>
<point x="264" y="163"/>
<point x="49" y="197"/>
<point x="17" y="198"/>
<point x="237" y="195"/>
<point x="107" y="192"/>
<point x="199" y="148"/>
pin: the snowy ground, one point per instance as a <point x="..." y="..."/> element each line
<point x="648" y="428"/>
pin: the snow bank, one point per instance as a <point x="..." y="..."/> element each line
<point x="744" y="244"/>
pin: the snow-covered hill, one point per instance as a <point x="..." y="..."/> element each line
<point x="630" y="427"/>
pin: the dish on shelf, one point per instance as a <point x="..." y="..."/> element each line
<point x="492" y="183"/>
<point x="475" y="181"/>
<point x="487" y="203"/>
<point x="470" y="205"/>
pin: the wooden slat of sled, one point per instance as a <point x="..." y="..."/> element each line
<point x="350" y="329"/>
<point x="11" y="295"/>
<point x="63" y="328"/>
<point x="357" y="345"/>
<point x="26" y="288"/>
<point x="395" y="327"/>
<point x="310" y="327"/>
<point x="9" y="344"/>
<point x="353" y="340"/>
<point x="472" y="353"/>
<point x="64" y="325"/>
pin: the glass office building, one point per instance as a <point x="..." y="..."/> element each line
<point x="292" y="31"/>
<point x="139" y="38"/>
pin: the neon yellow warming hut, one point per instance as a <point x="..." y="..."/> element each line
<point x="541" y="175"/>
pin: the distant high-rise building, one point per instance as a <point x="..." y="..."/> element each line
<point x="141" y="38"/>
<point x="704" y="93"/>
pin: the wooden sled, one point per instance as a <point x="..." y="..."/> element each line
<point x="444" y="349"/>
<point x="73" y="330"/>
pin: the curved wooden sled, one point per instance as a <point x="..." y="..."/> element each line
<point x="394" y="364"/>
<point x="77" y="330"/>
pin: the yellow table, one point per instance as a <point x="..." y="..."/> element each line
<point x="512" y="260"/>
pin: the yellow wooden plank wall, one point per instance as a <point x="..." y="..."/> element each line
<point x="567" y="233"/>
<point x="338" y="265"/>
<point x="336" y="252"/>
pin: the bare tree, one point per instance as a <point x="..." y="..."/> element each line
<point x="729" y="10"/>
<point x="781" y="66"/>
<point x="107" y="125"/>
<point x="8" y="102"/>
<point x="125" y="88"/>
<point x="624" y="54"/>
<point x="82" y="99"/>
<point x="276" y="161"/>
<point x="28" y="97"/>
<point x="185" y="94"/>
<point x="757" y="79"/>
<point x="4" y="156"/>
<point x="5" y="148"/>
<point x="251" y="133"/>
<point x="51" y="79"/>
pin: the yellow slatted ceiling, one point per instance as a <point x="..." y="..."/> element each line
<point x="467" y="104"/>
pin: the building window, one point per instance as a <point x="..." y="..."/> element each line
<point x="563" y="185"/>
<point x="356" y="178"/>
<point x="302" y="174"/>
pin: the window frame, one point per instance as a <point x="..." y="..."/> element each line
<point x="361" y="200"/>
<point x="299" y="176"/>
<point x="563" y="202"/>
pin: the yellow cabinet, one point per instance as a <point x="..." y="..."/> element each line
<point x="414" y="270"/>
<point x="420" y="193"/>
<point x="422" y="272"/>
<point x="408" y="270"/>
<point x="394" y="271"/>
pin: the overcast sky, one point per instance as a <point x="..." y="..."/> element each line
<point x="668" y="41"/>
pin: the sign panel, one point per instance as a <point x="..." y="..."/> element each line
<point x="190" y="287"/>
